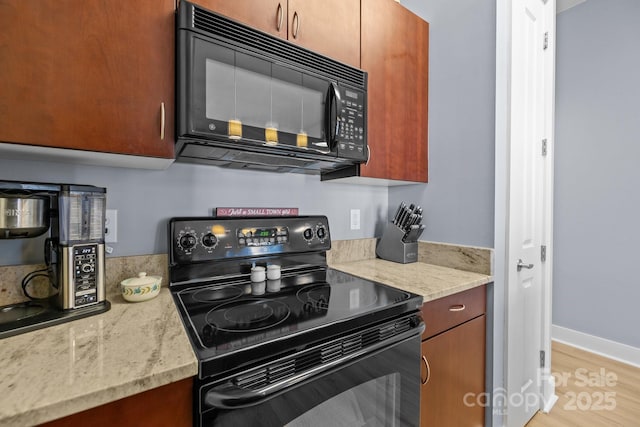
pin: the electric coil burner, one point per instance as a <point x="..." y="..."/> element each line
<point x="262" y="344"/>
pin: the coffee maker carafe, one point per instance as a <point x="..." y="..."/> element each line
<point x="74" y="216"/>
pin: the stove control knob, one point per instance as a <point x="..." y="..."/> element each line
<point x="307" y="234"/>
<point x="188" y="241"/>
<point x="209" y="240"/>
<point x="321" y="232"/>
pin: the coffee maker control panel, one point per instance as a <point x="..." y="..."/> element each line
<point x="85" y="262"/>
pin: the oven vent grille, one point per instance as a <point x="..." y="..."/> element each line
<point x="270" y="374"/>
<point x="320" y="355"/>
<point x="246" y="37"/>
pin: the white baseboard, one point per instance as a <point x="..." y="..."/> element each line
<point x="607" y="348"/>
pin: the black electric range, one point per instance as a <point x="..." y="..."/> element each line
<point x="236" y="324"/>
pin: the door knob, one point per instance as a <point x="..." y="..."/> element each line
<point x="522" y="265"/>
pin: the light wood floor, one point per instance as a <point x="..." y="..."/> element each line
<point x="592" y="391"/>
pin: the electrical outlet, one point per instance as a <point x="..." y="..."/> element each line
<point x="355" y="219"/>
<point x="111" y="226"/>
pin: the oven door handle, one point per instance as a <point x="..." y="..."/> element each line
<point x="230" y="396"/>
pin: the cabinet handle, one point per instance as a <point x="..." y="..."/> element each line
<point x="426" y="364"/>
<point x="162" y="121"/>
<point x="457" y="307"/>
<point x="295" y="24"/>
<point x="279" y="16"/>
<point x="368" y="155"/>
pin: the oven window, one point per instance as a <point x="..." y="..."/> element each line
<point x="375" y="403"/>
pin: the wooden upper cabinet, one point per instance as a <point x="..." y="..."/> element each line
<point x="329" y="27"/>
<point x="88" y="75"/>
<point x="395" y="53"/>
<point x="269" y="16"/>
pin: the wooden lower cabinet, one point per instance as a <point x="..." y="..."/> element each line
<point x="453" y="364"/>
<point x="170" y="405"/>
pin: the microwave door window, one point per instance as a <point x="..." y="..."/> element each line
<point x="312" y="118"/>
<point x="253" y="95"/>
<point x="220" y="90"/>
<point x="286" y="103"/>
<point x="313" y="97"/>
<point x="251" y="98"/>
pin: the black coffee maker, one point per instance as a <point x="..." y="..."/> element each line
<point x="74" y="216"/>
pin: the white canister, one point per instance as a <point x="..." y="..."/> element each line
<point x="257" y="274"/>
<point x="273" y="272"/>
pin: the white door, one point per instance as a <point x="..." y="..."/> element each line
<point x="526" y="219"/>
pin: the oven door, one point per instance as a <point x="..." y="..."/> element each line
<point x="378" y="388"/>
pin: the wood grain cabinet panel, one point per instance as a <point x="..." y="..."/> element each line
<point x="453" y="360"/>
<point x="455" y="373"/>
<point x="329" y="27"/>
<point x="88" y="75"/>
<point x="445" y="313"/>
<point x="269" y="16"/>
<point x="170" y="405"/>
<point x="395" y="53"/>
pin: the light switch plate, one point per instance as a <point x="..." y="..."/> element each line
<point x="355" y="219"/>
<point x="111" y="226"/>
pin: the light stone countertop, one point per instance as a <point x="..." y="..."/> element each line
<point x="430" y="281"/>
<point x="64" y="369"/>
<point x="134" y="347"/>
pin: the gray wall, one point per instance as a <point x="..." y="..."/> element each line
<point x="459" y="198"/>
<point x="146" y="199"/>
<point x="597" y="155"/>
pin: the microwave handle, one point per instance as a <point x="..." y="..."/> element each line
<point x="332" y="124"/>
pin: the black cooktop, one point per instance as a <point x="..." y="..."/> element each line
<point x="236" y="322"/>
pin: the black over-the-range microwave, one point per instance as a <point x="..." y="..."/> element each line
<point x="246" y="99"/>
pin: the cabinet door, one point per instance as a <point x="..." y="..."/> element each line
<point x="455" y="377"/>
<point x="88" y="75"/>
<point x="395" y="53"/>
<point x="170" y="405"/>
<point x="269" y="16"/>
<point x="329" y="27"/>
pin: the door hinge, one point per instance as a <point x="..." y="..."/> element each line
<point x="544" y="147"/>
<point x="545" y="44"/>
<point x="543" y="253"/>
<point x="542" y="358"/>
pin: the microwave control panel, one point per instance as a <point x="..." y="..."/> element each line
<point x="352" y="129"/>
